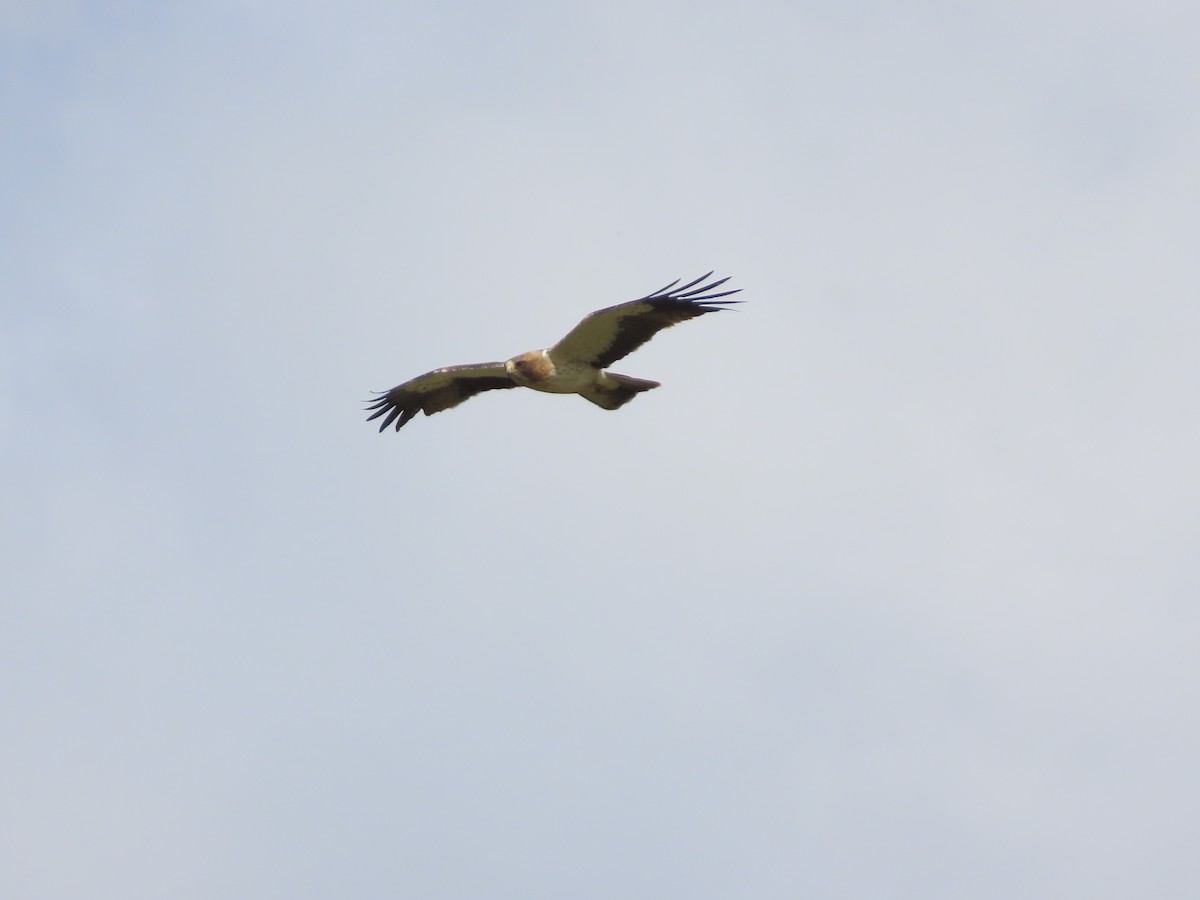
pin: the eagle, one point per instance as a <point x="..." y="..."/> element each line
<point x="575" y="365"/>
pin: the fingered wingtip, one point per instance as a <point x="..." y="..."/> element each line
<point x="694" y="292"/>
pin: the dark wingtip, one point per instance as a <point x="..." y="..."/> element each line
<point x="695" y="292"/>
<point x="682" y="291"/>
<point x="663" y="289"/>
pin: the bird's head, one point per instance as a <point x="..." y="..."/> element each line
<point x="529" y="367"/>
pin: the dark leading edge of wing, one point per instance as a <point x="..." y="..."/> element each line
<point x="668" y="306"/>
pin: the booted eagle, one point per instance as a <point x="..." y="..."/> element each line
<point x="575" y="365"/>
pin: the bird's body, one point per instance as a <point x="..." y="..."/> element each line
<point x="575" y="365"/>
<point x="536" y="369"/>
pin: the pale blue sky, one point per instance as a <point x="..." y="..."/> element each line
<point x="889" y="591"/>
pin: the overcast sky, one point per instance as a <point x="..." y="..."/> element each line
<point x="889" y="591"/>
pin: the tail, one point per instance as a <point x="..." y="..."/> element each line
<point x="614" y="391"/>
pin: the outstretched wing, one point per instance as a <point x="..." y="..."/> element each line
<point x="610" y="334"/>
<point x="438" y="390"/>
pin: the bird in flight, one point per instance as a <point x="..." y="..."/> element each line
<point x="575" y="365"/>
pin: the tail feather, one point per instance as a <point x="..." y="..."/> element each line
<point x="615" y="391"/>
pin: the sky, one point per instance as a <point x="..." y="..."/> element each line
<point x="889" y="591"/>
